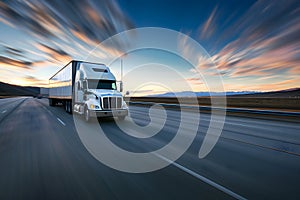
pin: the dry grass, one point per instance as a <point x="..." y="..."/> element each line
<point x="4" y="97"/>
<point x="240" y="102"/>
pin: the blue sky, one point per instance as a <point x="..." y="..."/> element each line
<point x="255" y="45"/>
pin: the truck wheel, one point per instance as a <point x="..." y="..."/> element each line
<point x="121" y="118"/>
<point x="86" y="114"/>
<point x="50" y="102"/>
<point x="70" y="107"/>
<point x="66" y="106"/>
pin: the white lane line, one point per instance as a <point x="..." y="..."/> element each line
<point x="4" y="111"/>
<point x="61" y="121"/>
<point x="204" y="179"/>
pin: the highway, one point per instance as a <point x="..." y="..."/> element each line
<point x="42" y="157"/>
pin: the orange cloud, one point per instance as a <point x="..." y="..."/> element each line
<point x="9" y="62"/>
<point x="194" y="81"/>
<point x="209" y="26"/>
<point x="29" y="81"/>
<point x="56" y="55"/>
<point x="83" y="37"/>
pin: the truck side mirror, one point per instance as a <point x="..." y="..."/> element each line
<point x="121" y="86"/>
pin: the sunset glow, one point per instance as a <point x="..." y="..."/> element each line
<point x="255" y="45"/>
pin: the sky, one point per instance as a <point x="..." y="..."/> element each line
<point x="254" y="45"/>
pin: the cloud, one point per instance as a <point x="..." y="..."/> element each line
<point x="194" y="81"/>
<point x="140" y="93"/>
<point x="209" y="27"/>
<point x="13" y="51"/>
<point x="263" y="42"/>
<point x="268" y="41"/>
<point x="86" y="20"/>
<point x="5" y="61"/>
<point x="25" y="15"/>
<point x="33" y="81"/>
<point x="260" y="85"/>
<point x="54" y="54"/>
<point x="28" y="80"/>
<point x="5" y="21"/>
<point x="61" y="30"/>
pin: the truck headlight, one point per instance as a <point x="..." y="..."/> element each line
<point x="93" y="106"/>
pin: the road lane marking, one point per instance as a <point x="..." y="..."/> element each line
<point x="46" y="109"/>
<point x="4" y="111"/>
<point x="61" y="121"/>
<point x="204" y="179"/>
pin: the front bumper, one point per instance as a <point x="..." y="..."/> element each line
<point x="109" y="113"/>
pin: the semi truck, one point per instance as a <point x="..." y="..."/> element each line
<point x="88" y="89"/>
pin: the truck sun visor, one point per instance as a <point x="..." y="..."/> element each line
<point x="100" y="70"/>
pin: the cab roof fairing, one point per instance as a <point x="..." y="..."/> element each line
<point x="96" y="71"/>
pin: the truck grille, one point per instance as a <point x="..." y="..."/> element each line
<point x="109" y="103"/>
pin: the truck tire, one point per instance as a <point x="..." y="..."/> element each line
<point x="70" y="107"/>
<point x="66" y="106"/>
<point x="51" y="102"/>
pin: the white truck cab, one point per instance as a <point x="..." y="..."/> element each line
<point x="94" y="91"/>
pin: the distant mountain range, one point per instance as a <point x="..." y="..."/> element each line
<point x="200" y="94"/>
<point x="293" y="92"/>
<point x="15" y="90"/>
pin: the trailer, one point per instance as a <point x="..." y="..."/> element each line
<point x="87" y="89"/>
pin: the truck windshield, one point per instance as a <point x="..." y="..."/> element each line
<point x="102" y="84"/>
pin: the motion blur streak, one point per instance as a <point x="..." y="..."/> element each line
<point x="96" y="20"/>
<point x="61" y="30"/>
<point x="254" y="44"/>
<point x="264" y="41"/>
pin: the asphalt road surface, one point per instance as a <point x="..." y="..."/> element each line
<point x="42" y="157"/>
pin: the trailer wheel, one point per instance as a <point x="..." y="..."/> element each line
<point x="86" y="114"/>
<point x="51" y="102"/>
<point x="66" y="106"/>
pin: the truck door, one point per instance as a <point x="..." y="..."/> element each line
<point x="79" y="96"/>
